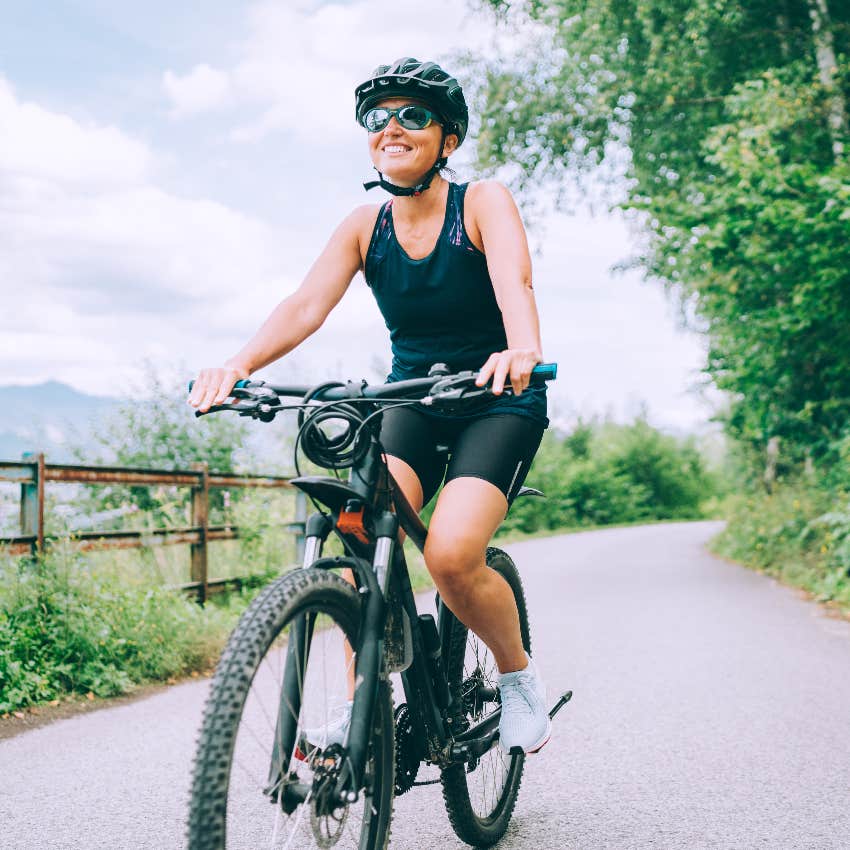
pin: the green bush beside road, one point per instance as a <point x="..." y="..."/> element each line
<point x="606" y="473"/>
<point x="67" y="630"/>
<point x="799" y="532"/>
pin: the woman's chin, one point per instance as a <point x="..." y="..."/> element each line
<point x="398" y="179"/>
<point x="398" y="175"/>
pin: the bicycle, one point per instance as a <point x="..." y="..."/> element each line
<point x="311" y="645"/>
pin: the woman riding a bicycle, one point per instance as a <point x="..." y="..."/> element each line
<point x="450" y="269"/>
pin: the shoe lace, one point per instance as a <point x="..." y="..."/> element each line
<point x="516" y="693"/>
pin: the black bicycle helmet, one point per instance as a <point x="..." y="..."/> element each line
<point x="425" y="81"/>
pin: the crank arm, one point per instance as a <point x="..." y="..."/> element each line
<point x="565" y="698"/>
<point x="478" y="739"/>
<point x="491" y="722"/>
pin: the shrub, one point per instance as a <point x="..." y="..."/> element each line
<point x="66" y="630"/>
<point x="798" y="533"/>
<point x="600" y="474"/>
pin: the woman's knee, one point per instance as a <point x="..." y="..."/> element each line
<point x="452" y="558"/>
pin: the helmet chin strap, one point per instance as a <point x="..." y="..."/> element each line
<point x="408" y="191"/>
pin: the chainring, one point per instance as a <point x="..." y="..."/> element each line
<point x="407" y="757"/>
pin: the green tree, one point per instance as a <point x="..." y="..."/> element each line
<point x="155" y="429"/>
<point x="606" y="473"/>
<point x="724" y="127"/>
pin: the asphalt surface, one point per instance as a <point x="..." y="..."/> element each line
<point x="711" y="710"/>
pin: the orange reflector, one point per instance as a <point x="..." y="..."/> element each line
<point x="351" y="522"/>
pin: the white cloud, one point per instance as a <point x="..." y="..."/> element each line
<point x="299" y="64"/>
<point x="101" y="266"/>
<point x="37" y="145"/>
<point x="202" y="89"/>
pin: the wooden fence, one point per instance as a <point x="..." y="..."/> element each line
<point x="32" y="473"/>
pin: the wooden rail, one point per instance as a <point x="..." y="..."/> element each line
<point x="32" y="473"/>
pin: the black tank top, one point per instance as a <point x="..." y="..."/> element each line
<point x="442" y="308"/>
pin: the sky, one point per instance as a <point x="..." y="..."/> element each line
<point x="168" y="173"/>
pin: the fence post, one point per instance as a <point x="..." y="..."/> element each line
<point x="200" y="519"/>
<point x="300" y="525"/>
<point x="32" y="502"/>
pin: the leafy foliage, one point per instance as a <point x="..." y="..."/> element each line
<point x="606" y="473"/>
<point x="718" y="123"/>
<point x="763" y="250"/>
<point x="157" y="430"/>
<point x="797" y="533"/>
<point x="66" y="630"/>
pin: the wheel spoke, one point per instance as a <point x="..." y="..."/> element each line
<point x="480" y="800"/>
<point x="230" y="785"/>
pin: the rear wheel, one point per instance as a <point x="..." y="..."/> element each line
<point x="286" y="670"/>
<point x="480" y="796"/>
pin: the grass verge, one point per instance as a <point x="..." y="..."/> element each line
<point x="65" y="631"/>
<point x="71" y="629"/>
<point x="797" y="534"/>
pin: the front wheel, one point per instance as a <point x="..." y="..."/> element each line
<point x="480" y="796"/>
<point x="266" y="761"/>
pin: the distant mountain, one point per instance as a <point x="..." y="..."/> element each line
<point x="46" y="417"/>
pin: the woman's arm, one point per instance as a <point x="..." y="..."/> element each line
<point x="297" y="316"/>
<point x="497" y="219"/>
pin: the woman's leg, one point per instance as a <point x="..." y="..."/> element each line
<point x="467" y="514"/>
<point x="407" y="479"/>
<point x="491" y="456"/>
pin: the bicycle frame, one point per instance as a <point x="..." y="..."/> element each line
<point x="366" y="512"/>
<point x="376" y="560"/>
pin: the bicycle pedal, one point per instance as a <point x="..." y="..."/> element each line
<point x="565" y="698"/>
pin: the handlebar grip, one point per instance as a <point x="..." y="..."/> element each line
<point x="544" y="372"/>
<point x="238" y="385"/>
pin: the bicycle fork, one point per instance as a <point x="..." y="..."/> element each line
<point x="369" y="652"/>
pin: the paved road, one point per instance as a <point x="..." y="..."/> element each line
<point x="711" y="710"/>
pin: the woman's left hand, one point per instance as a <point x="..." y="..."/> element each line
<point x="514" y="362"/>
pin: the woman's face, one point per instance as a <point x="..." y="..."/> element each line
<point x="405" y="155"/>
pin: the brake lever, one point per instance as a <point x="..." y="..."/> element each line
<point x="240" y="407"/>
<point x="457" y="388"/>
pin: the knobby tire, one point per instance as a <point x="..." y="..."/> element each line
<point x="481" y="800"/>
<point x="256" y="645"/>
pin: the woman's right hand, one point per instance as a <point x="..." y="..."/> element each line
<point x="213" y="386"/>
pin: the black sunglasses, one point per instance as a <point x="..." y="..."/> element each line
<point x="410" y="116"/>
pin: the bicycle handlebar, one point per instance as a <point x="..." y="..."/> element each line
<point x="435" y="388"/>
<point x="540" y="374"/>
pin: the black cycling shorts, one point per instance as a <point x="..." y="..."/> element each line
<point x="498" y="447"/>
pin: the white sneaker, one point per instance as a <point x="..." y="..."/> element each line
<point x="524" y="725"/>
<point x="334" y="732"/>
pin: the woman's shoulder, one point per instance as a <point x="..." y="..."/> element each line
<point x="365" y="214"/>
<point x="486" y="191"/>
<point x="361" y="221"/>
<point x="484" y="200"/>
